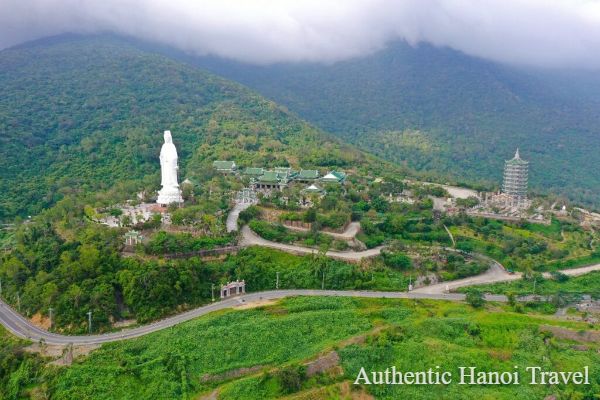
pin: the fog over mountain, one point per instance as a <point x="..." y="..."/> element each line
<point x="541" y="33"/>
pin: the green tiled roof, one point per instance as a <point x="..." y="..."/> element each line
<point x="308" y="174"/>
<point x="254" y="171"/>
<point x="269" y="176"/>
<point x="227" y="165"/>
<point x="334" y="176"/>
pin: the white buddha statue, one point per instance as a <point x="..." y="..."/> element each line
<point x="170" y="192"/>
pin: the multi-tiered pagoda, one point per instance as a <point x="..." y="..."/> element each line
<point x="516" y="175"/>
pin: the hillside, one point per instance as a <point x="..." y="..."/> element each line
<point x="441" y="111"/>
<point x="313" y="348"/>
<point x="78" y="114"/>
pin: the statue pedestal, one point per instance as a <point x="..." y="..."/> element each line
<point x="167" y="196"/>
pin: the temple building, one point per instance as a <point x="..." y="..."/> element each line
<point x="278" y="178"/>
<point x="334" y="177"/>
<point x="516" y="175"/>
<point x="254" y="172"/>
<point x="227" y="167"/>
<point x="307" y="175"/>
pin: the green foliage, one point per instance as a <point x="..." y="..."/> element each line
<point x="291" y="378"/>
<point x="85" y="114"/>
<point x="152" y="366"/>
<point x="524" y="246"/>
<point x="475" y="298"/>
<point x="249" y="214"/>
<point x="573" y="287"/>
<point x="166" y="243"/>
<point x="396" y="260"/>
<point x="437" y="110"/>
<point x="273" y="232"/>
<point x="279" y="339"/>
<point x="18" y="368"/>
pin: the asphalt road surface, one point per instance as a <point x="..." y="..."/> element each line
<point x="250" y="238"/>
<point x="21" y="327"/>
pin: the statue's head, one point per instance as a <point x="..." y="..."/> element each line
<point x="168" y="138"/>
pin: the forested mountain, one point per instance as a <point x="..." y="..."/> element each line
<point x="78" y="114"/>
<point x="439" y="110"/>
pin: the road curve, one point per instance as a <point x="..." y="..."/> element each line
<point x="249" y="238"/>
<point x="349" y="233"/>
<point x="23" y="328"/>
<point x="232" y="218"/>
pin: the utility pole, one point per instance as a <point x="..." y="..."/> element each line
<point x="89" y="314"/>
<point x="18" y="302"/>
<point x="277" y="282"/>
<point x="534" y="282"/>
<point x="323" y="282"/>
<point x="0" y="288"/>
<point x="212" y="291"/>
<point x="50" y="313"/>
<point x="410" y="287"/>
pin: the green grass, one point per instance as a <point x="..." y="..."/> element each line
<point x="152" y="366"/>
<point x="412" y="335"/>
<point x="575" y="286"/>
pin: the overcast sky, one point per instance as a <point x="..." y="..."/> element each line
<point x="549" y="33"/>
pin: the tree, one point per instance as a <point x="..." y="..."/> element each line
<point x="380" y="204"/>
<point x="291" y="378"/>
<point x="310" y="215"/>
<point x="475" y="298"/>
<point x="512" y="300"/>
<point x="397" y="260"/>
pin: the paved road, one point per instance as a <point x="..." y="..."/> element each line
<point x="349" y="233"/>
<point x="496" y="273"/>
<point x="250" y="238"/>
<point x="576" y="271"/>
<point x="233" y="216"/>
<point x="21" y="327"/>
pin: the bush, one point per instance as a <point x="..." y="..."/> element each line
<point x="249" y="214"/>
<point x="164" y="243"/>
<point x="397" y="260"/>
<point x="276" y="233"/>
<point x="291" y="378"/>
<point x="475" y="298"/>
<point x="559" y="276"/>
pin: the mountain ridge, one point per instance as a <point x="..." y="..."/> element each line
<point x="471" y="114"/>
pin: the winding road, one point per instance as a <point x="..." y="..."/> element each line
<point x="249" y="238"/>
<point x="23" y="328"/>
<point x="349" y="233"/>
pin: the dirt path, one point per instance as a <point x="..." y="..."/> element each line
<point x="451" y="236"/>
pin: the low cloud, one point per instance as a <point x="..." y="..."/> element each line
<point x="545" y="33"/>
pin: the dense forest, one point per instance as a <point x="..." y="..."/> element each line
<point x="78" y="114"/>
<point x="446" y="114"/>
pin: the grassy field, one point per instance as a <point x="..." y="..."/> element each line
<point x="528" y="246"/>
<point x="575" y="286"/>
<point x="207" y="355"/>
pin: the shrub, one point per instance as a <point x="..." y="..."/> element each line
<point x="397" y="260"/>
<point x="249" y="214"/>
<point x="475" y="298"/>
